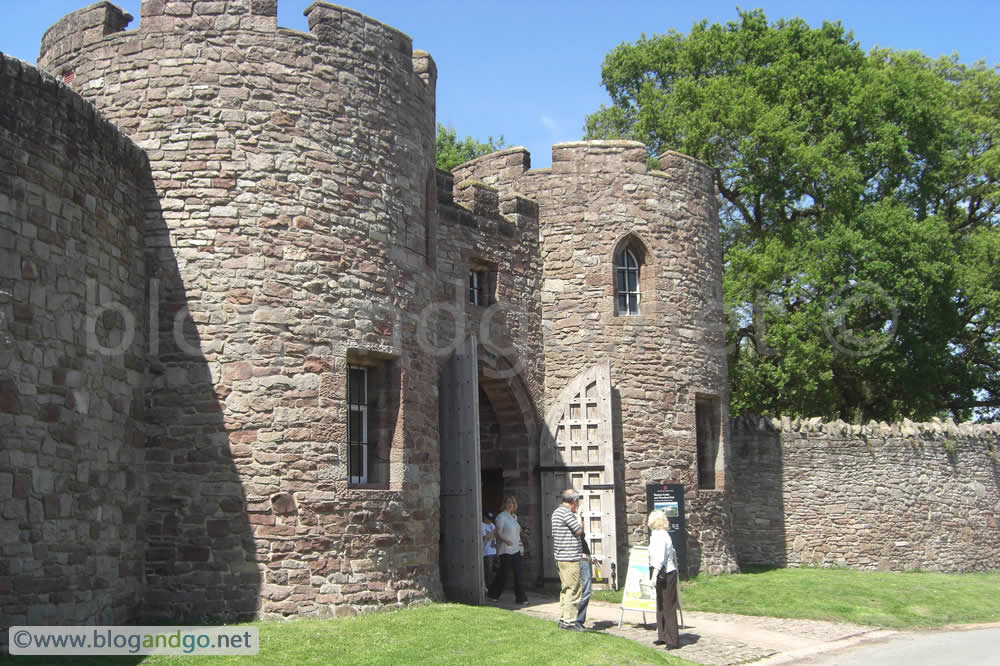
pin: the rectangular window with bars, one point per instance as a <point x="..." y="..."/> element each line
<point x="373" y="385"/>
<point x="358" y="411"/>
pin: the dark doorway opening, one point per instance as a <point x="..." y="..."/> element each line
<point x="492" y="488"/>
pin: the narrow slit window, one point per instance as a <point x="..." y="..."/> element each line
<point x="477" y="287"/>
<point x="707" y="424"/>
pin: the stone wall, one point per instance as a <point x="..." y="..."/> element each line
<point x="72" y="338"/>
<point x="878" y="496"/>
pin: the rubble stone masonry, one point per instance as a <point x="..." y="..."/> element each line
<point x="72" y="341"/>
<point x="876" y="496"/>
<point x="287" y="239"/>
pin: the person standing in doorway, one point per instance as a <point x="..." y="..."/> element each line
<point x="510" y="549"/>
<point x="663" y="577"/>
<point x="489" y="534"/>
<point x="568" y="550"/>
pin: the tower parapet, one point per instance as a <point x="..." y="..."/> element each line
<point x="581" y="157"/>
<point x="218" y="15"/>
<point x="81" y="29"/>
<point x="495" y="169"/>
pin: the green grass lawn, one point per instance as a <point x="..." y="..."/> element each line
<point x="454" y="634"/>
<point x="892" y="600"/>
<point x="431" y="634"/>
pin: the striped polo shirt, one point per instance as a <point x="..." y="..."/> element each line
<point x="566" y="544"/>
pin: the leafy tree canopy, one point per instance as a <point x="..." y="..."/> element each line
<point x="451" y="151"/>
<point x="859" y="206"/>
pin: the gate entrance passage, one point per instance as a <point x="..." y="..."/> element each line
<point x="575" y="450"/>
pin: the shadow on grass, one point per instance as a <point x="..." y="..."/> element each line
<point x="759" y="568"/>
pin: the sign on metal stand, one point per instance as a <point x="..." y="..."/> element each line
<point x="639" y="594"/>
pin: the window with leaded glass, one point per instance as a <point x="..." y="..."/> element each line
<point x="627" y="282"/>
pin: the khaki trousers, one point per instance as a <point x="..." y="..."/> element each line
<point x="569" y="594"/>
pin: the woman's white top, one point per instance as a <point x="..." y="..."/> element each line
<point x="661" y="552"/>
<point x="508" y="529"/>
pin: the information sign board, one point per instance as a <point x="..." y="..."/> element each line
<point x="669" y="498"/>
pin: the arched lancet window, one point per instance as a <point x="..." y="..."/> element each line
<point x="627" y="282"/>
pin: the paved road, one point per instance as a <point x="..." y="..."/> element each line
<point x="962" y="647"/>
<point x="729" y="640"/>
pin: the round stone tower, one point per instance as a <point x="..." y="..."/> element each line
<point x="287" y="245"/>
<point x="632" y="277"/>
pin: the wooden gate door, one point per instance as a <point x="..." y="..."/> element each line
<point x="461" y="512"/>
<point x="576" y="451"/>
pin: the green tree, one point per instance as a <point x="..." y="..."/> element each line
<point x="859" y="199"/>
<point x="451" y="151"/>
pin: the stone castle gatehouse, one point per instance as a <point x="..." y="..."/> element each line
<point x="262" y="358"/>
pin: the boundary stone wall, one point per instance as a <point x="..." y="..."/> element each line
<point x="877" y="496"/>
<point x="72" y="291"/>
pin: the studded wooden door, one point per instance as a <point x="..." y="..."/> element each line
<point x="461" y="515"/>
<point x="576" y="451"/>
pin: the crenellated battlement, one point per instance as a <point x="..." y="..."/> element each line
<point x="82" y="28"/>
<point x="333" y="24"/>
<point x="577" y="157"/>
<point x="68" y="45"/>
<point x="218" y="15"/>
<point x="502" y="167"/>
<point x="473" y="203"/>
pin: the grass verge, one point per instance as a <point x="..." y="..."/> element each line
<point x="892" y="600"/>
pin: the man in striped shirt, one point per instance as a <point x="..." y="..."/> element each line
<point x="568" y="550"/>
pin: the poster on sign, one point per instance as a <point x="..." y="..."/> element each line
<point x="638" y="595"/>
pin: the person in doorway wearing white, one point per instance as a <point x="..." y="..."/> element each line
<point x="663" y="577"/>
<point x="509" y="548"/>
<point x="568" y="551"/>
<point x="489" y="534"/>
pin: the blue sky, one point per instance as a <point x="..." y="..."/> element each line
<point x="530" y="71"/>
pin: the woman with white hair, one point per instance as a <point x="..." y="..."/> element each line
<point x="663" y="577"/>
